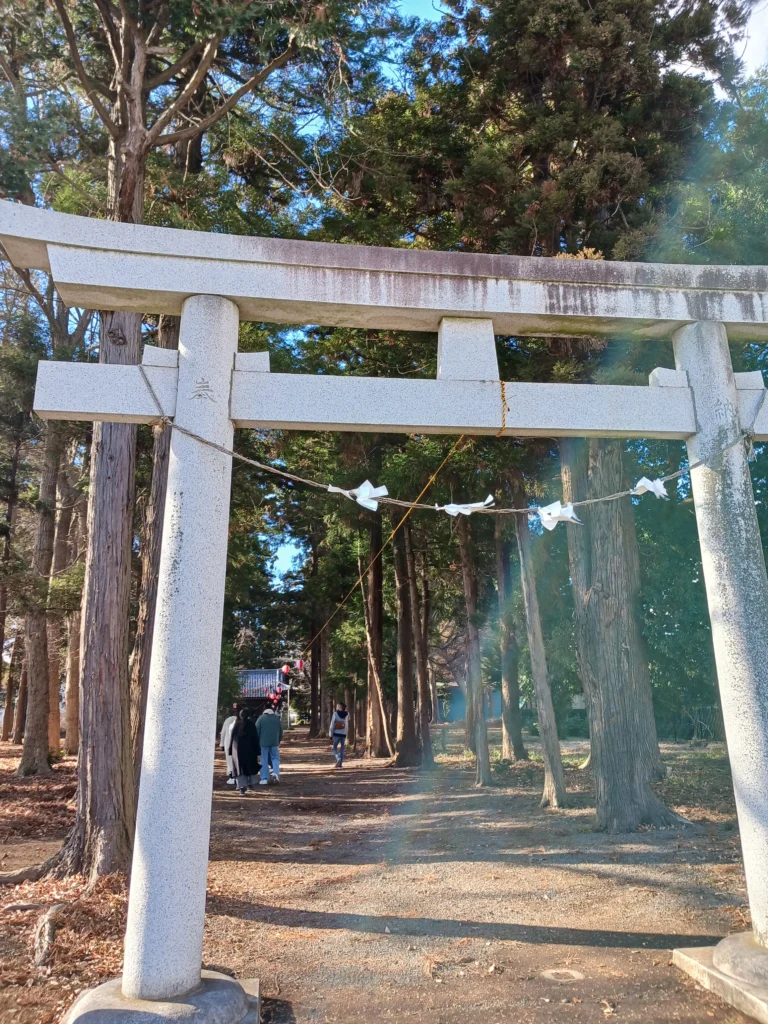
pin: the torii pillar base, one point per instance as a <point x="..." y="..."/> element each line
<point x="218" y="1000"/>
<point x="750" y="997"/>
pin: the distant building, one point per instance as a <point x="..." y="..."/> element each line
<point x="256" y="687"/>
<point x="257" y="683"/>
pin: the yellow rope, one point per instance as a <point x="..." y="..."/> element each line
<point x="503" y="408"/>
<point x="384" y="546"/>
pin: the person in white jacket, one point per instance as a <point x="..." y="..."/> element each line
<point x="338" y="732"/>
<point x="226" y="736"/>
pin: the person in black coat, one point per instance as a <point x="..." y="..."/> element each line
<point x="244" y="748"/>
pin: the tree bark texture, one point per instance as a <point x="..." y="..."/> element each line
<point x="78" y="546"/>
<point x="406" y="742"/>
<point x="101" y="839"/>
<point x="475" y="699"/>
<point x="314" y="684"/>
<point x="361" y="719"/>
<point x="436" y="716"/>
<point x="639" y="662"/>
<point x="326" y="693"/>
<point x="349" y="700"/>
<point x="59" y="563"/>
<point x="512" y="746"/>
<point x="607" y="633"/>
<point x="554" y="777"/>
<point x="6" y="528"/>
<point x="34" y="758"/>
<point x="20" y="717"/>
<point x="10" y="686"/>
<point x="424" y="702"/>
<point x="378" y="737"/>
<point x="100" y="842"/>
<point x="72" y="692"/>
<point x="426" y="611"/>
<point x="167" y="337"/>
<point x="314" y="653"/>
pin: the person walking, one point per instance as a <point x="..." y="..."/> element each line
<point x="269" y="729"/>
<point x="338" y="732"/>
<point x="226" y="736"/>
<point x="244" y="750"/>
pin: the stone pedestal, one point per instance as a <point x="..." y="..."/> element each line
<point x="166" y="909"/>
<point x="737" y="594"/>
<point x="218" y="999"/>
<point x="698" y="963"/>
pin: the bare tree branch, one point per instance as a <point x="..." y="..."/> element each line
<point x="174" y="69"/>
<point x="8" y="70"/>
<point x="45" y="307"/>
<point x="129" y="19"/>
<point x="189" y="90"/>
<point x="108" y="13"/>
<point x="85" y="81"/>
<point x="157" y="28"/>
<point x="255" y="80"/>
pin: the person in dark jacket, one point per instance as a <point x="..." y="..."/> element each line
<point x="338" y="732"/>
<point x="244" y="750"/>
<point x="270" y="732"/>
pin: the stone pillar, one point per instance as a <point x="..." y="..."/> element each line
<point x="737" y="591"/>
<point x="166" y="910"/>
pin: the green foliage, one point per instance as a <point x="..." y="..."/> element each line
<point x="229" y="688"/>
<point x="547" y="128"/>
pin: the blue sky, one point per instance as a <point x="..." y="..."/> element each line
<point x="421" y="8"/>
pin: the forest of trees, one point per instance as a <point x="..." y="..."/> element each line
<point x="572" y="129"/>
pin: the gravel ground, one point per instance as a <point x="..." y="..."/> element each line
<point x="374" y="893"/>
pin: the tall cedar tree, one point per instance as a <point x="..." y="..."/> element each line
<point x="150" y="76"/>
<point x="548" y="128"/>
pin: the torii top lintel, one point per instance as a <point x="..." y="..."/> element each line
<point x="104" y="265"/>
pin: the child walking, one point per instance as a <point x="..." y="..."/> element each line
<point x="338" y="732"/>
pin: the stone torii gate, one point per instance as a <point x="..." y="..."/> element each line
<point x="208" y="388"/>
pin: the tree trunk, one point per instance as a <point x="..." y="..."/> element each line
<point x="474" y="675"/>
<point x="606" y="636"/>
<point x="78" y="545"/>
<point x="54" y="625"/>
<point x="53" y="643"/>
<point x="469" y="707"/>
<point x="349" y="700"/>
<point x="422" y="660"/>
<point x="554" y="778"/>
<point x="101" y="839"/>
<point x="314" y="685"/>
<point x="406" y="742"/>
<point x="641" y="676"/>
<point x="326" y="693"/>
<point x="167" y="337"/>
<point x="436" y="715"/>
<point x="314" y="654"/>
<point x="512" y="746"/>
<point x="426" y="608"/>
<point x="72" y="699"/>
<point x="20" y="717"/>
<point x="378" y="737"/>
<point x="360" y="720"/>
<point x="10" y="686"/>
<point x="12" y="491"/>
<point x="34" y="758"/>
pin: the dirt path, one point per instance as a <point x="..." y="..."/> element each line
<point x="374" y="894"/>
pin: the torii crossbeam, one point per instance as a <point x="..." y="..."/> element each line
<point x="213" y="282"/>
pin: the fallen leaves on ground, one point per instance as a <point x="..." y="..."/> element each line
<point x="86" y="950"/>
<point x="35" y="808"/>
